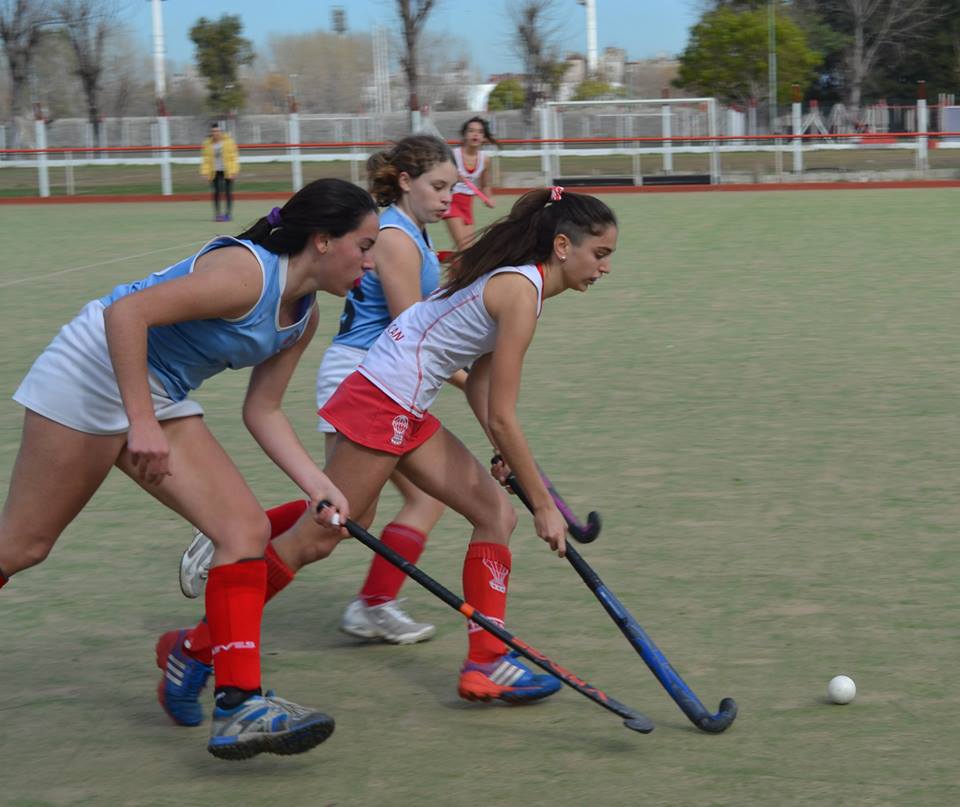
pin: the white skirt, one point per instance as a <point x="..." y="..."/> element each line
<point x="73" y="383"/>
<point x="338" y="362"/>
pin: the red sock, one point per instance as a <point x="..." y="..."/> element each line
<point x="279" y="575"/>
<point x="235" y="595"/>
<point x="284" y="516"/>
<point x="485" y="572"/>
<point x="3" y="579"/>
<point x="198" y="643"/>
<point x="384" y="579"/>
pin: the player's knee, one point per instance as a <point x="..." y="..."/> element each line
<point x="245" y="537"/>
<point x="504" y="519"/>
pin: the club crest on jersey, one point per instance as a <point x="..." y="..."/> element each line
<point x="498" y="575"/>
<point x="400" y="425"/>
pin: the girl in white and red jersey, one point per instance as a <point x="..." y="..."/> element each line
<point x="113" y="388"/>
<point x="485" y="317"/>
<point x="474" y="173"/>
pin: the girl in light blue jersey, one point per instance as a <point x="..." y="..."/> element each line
<point x="414" y="181"/>
<point x="113" y="389"/>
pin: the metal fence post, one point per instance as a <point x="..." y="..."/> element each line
<point x="43" y="171"/>
<point x="163" y="131"/>
<point x="293" y="137"/>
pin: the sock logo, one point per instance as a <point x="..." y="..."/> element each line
<point x="400" y="425"/>
<point x="234" y="646"/>
<point x="498" y="575"/>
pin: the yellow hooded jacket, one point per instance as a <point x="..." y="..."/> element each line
<point x="231" y="159"/>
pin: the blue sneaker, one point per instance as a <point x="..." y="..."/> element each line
<point x="266" y="724"/>
<point x="506" y="679"/>
<point x="183" y="679"/>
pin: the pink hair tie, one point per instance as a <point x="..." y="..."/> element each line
<point x="556" y="193"/>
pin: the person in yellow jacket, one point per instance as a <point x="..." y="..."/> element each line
<point x="221" y="164"/>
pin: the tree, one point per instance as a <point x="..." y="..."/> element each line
<point x="534" y="29"/>
<point x="220" y="53"/>
<point x="508" y="94"/>
<point x="413" y="16"/>
<point x="937" y="62"/>
<point x="330" y="71"/>
<point x="595" y="89"/>
<point x="86" y="25"/>
<point x="876" y="29"/>
<point x="21" y="27"/>
<point x="727" y="56"/>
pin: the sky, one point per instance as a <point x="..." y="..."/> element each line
<point x="644" y="28"/>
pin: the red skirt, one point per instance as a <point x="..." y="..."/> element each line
<point x="461" y="208"/>
<point x="364" y="414"/>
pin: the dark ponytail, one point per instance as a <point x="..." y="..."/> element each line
<point x="525" y="235"/>
<point x="334" y="207"/>
<point x="413" y="156"/>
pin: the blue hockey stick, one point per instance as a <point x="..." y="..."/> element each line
<point x="671" y="681"/>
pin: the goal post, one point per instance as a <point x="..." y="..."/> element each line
<point x="656" y="123"/>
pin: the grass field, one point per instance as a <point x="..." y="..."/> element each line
<point x="762" y="402"/>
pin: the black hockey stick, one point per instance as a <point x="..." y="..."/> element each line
<point x="671" y="681"/>
<point x="631" y="719"/>
<point x="583" y="534"/>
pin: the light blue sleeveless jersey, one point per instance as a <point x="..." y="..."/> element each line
<point x="366" y="314"/>
<point x="183" y="355"/>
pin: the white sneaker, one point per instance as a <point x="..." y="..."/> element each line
<point x="195" y="565"/>
<point x="388" y="622"/>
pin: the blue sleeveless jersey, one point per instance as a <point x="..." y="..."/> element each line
<point x="184" y="354"/>
<point x="366" y="314"/>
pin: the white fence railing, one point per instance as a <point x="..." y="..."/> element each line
<point x="670" y="130"/>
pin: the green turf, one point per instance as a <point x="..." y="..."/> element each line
<point x="761" y="400"/>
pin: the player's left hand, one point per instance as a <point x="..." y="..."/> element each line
<point x="551" y="527"/>
<point x="500" y="471"/>
<point x="335" y="514"/>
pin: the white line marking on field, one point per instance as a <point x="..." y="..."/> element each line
<point x="33" y="278"/>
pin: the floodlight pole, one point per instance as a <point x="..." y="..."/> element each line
<point x="590" y="6"/>
<point x="160" y="90"/>
<point x="772" y="62"/>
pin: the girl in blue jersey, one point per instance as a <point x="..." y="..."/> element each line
<point x="414" y="182"/>
<point x="112" y="389"/>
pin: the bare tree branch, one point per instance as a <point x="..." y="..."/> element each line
<point x="534" y="30"/>
<point x="86" y="25"/>
<point x="878" y="26"/>
<point x="413" y="16"/>
<point x="21" y="26"/>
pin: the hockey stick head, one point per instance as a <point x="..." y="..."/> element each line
<point x="641" y="723"/>
<point x="721" y="721"/>
<point x="588" y="534"/>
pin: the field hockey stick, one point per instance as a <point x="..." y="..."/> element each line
<point x="668" y="677"/>
<point x="631" y="719"/>
<point x="480" y="194"/>
<point x="583" y="534"/>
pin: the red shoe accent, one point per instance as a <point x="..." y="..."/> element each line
<point x="475" y="686"/>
